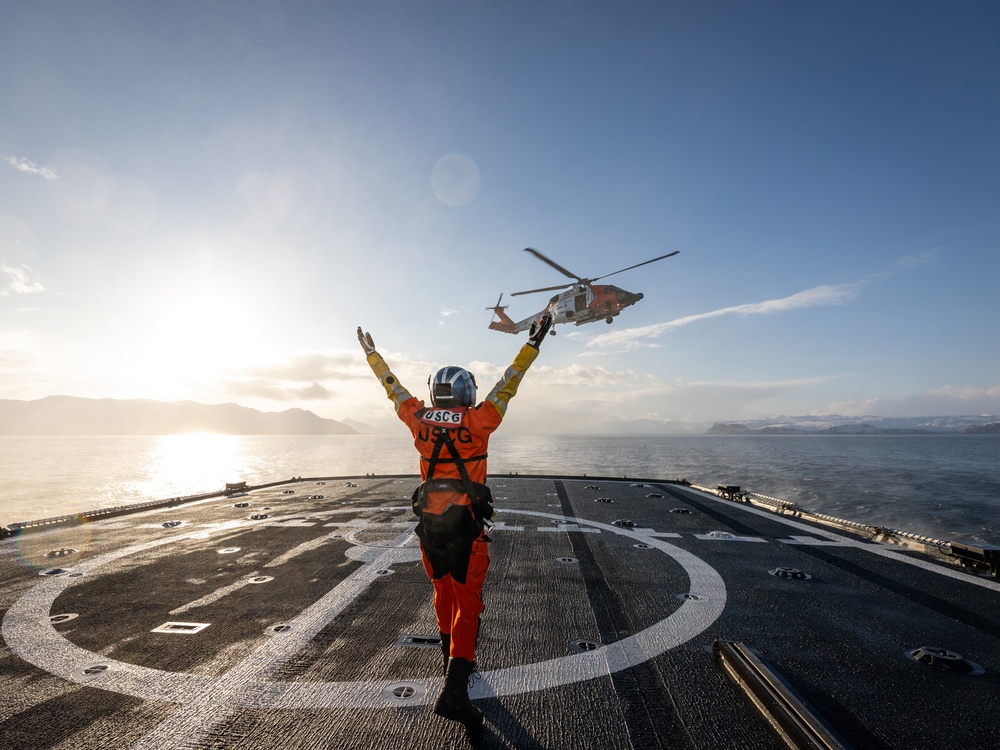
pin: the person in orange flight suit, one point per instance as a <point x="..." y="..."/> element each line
<point x="453" y="502"/>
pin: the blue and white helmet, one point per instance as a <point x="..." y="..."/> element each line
<point x="453" y="386"/>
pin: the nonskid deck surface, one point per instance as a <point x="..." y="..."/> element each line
<point x="299" y="616"/>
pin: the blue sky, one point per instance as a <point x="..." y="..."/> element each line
<point x="204" y="200"/>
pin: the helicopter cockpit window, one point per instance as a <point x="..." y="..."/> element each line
<point x="554" y="300"/>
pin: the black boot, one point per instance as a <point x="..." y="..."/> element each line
<point x="454" y="703"/>
<point x="445" y="651"/>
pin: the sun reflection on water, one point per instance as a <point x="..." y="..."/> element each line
<point x="197" y="462"/>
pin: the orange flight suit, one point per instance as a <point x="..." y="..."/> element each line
<point x="456" y="570"/>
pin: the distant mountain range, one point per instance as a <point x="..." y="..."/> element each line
<point x="808" y="425"/>
<point x="868" y="425"/>
<point x="68" y="415"/>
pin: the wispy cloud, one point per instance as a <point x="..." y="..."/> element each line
<point x="29" y="167"/>
<point x="919" y="260"/>
<point x="572" y="376"/>
<point x="260" y="388"/>
<point x="18" y="361"/>
<point x="313" y="376"/>
<point x="947" y="399"/>
<point x="19" y="355"/>
<point x="307" y="367"/>
<point x="966" y="393"/>
<point x="446" y="313"/>
<point x="628" y="339"/>
<point x="634" y="338"/>
<point x="20" y="280"/>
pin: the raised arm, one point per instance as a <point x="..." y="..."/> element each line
<point x="393" y="388"/>
<point x="506" y="387"/>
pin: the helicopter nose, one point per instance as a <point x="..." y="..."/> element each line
<point x="628" y="298"/>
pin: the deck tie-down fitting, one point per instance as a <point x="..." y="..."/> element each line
<point x="791" y="573"/>
<point x="941" y="658"/>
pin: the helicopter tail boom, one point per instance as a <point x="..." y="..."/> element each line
<point x="507" y="325"/>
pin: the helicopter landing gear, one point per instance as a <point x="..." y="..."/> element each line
<point x="608" y="320"/>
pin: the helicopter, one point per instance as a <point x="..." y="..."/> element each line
<point x="583" y="302"/>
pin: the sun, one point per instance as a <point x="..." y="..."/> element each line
<point x="194" y="339"/>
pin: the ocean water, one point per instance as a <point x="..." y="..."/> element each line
<point x="943" y="486"/>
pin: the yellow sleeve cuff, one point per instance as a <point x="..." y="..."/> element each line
<point x="393" y="388"/>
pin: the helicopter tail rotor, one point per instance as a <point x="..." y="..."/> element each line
<point x="504" y="323"/>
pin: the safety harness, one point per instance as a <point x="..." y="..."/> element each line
<point x="447" y="506"/>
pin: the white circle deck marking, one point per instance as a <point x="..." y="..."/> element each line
<point x="207" y="700"/>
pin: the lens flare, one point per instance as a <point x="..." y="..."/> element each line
<point x="61" y="546"/>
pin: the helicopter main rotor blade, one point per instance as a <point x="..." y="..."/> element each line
<point x="543" y="289"/>
<point x="552" y="263"/>
<point x="636" y="265"/>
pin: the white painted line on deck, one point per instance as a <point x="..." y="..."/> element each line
<point x="728" y="538"/>
<point x="570" y="527"/>
<point x="504" y="526"/>
<point x="301" y="549"/>
<point x="215" y="596"/>
<point x="814" y="542"/>
<point x="204" y="701"/>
